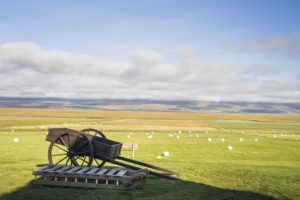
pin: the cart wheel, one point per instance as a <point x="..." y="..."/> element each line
<point x="94" y="132"/>
<point x="97" y="133"/>
<point x="63" y="151"/>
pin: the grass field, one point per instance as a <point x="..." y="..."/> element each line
<point x="265" y="165"/>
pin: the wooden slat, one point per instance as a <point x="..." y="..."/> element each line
<point x="52" y="169"/>
<point x="111" y="172"/>
<point x="102" y="171"/>
<point x="74" y="169"/>
<point x="92" y="171"/>
<point x="82" y="170"/>
<point x="121" y="173"/>
<point x="63" y="169"/>
<point x="43" y="168"/>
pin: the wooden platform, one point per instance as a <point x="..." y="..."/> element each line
<point x="88" y="177"/>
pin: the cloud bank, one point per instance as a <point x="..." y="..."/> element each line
<point x="27" y="70"/>
<point x="276" y="45"/>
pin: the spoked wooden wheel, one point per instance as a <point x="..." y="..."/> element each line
<point x="71" y="150"/>
<point x="96" y="133"/>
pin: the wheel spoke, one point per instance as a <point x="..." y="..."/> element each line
<point x="101" y="164"/>
<point x="73" y="160"/>
<point x="63" y="142"/>
<point x="61" y="160"/>
<point x="81" y="159"/>
<point x="75" y="151"/>
<point x="76" y="162"/>
<point x="67" y="161"/>
<point x="96" y="162"/>
<point x="60" y="148"/>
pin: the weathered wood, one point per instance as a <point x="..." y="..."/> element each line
<point x="63" y="169"/>
<point x="102" y="171"/>
<point x="52" y="169"/>
<point x="111" y="172"/>
<point x="54" y="132"/>
<point x="90" y="178"/>
<point x="73" y="170"/>
<point x="121" y="173"/>
<point x="43" y="168"/>
<point x="83" y="170"/>
<point x="92" y="171"/>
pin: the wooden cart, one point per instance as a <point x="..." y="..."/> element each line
<point x="91" y="147"/>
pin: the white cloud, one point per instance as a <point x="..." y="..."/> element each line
<point x="259" y="69"/>
<point x="276" y="45"/>
<point x="29" y="70"/>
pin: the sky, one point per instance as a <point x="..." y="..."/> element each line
<point x="225" y="50"/>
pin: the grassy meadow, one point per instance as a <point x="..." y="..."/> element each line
<point x="264" y="165"/>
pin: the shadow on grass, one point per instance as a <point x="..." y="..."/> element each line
<point x="153" y="189"/>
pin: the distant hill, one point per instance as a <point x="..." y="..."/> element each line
<point x="152" y="105"/>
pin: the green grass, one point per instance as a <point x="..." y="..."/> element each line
<point x="266" y="169"/>
<point x="257" y="126"/>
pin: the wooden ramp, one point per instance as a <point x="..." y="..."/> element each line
<point x="89" y="177"/>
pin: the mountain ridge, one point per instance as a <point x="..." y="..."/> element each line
<point x="152" y="105"/>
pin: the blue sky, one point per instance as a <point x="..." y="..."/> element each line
<point x="152" y="49"/>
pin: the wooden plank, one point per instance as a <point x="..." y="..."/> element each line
<point x="92" y="171"/>
<point x="74" y="169"/>
<point x="63" y="169"/>
<point x="82" y="170"/>
<point x="52" y="169"/>
<point x="121" y="173"/>
<point x="102" y="171"/>
<point x="43" y="168"/>
<point x="111" y="172"/>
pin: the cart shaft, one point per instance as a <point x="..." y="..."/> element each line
<point x="146" y="165"/>
<point x="168" y="176"/>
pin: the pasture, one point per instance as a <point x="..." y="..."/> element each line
<point x="263" y="164"/>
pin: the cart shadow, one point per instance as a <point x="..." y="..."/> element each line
<point x="154" y="188"/>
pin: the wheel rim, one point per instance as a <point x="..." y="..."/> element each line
<point x="94" y="132"/>
<point x="68" y="149"/>
<point x="97" y="133"/>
